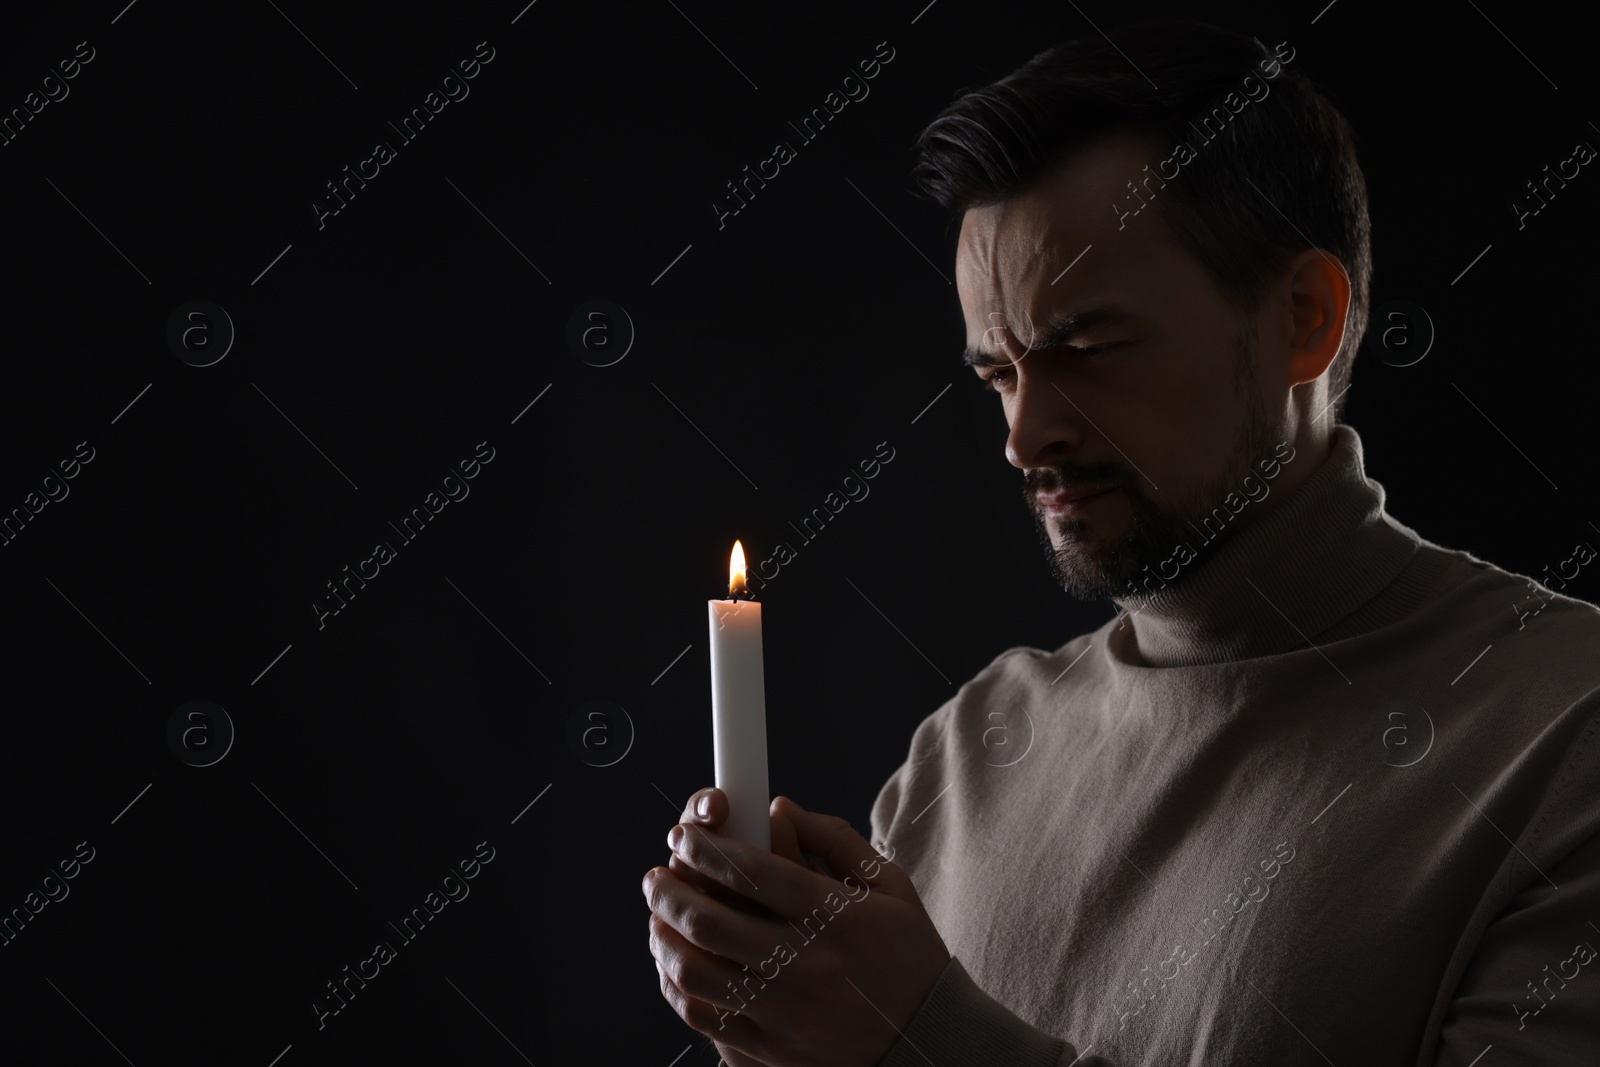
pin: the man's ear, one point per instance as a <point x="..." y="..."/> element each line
<point x="1319" y="307"/>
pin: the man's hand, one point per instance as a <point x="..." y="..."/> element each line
<point x="779" y="962"/>
<point x="784" y="843"/>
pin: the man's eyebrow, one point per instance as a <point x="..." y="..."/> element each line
<point x="1058" y="331"/>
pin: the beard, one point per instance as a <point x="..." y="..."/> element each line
<point x="1090" y="566"/>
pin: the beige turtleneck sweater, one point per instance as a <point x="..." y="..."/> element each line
<point x="1331" y="798"/>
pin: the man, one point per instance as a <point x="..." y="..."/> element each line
<point x="1323" y="791"/>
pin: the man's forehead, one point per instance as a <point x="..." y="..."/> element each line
<point x="1036" y="233"/>
<point x="1011" y="240"/>
<point x="1005" y="275"/>
<point x="1054" y="248"/>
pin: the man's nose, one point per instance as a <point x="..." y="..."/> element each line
<point x="1045" y="424"/>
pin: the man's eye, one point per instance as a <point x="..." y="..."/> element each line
<point x="992" y="382"/>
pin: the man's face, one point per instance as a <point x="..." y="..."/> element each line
<point x="1172" y="411"/>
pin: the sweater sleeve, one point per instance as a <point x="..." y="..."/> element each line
<point x="1532" y="987"/>
<point x="960" y="1025"/>
<point x="1532" y="990"/>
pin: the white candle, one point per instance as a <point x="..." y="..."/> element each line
<point x="739" y="709"/>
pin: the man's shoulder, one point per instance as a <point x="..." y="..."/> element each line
<point x="1007" y="668"/>
<point x="1522" y="658"/>
<point x="1018" y="674"/>
<point x="1498" y="603"/>
<point x="1025" y="664"/>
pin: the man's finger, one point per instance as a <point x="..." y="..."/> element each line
<point x="774" y="882"/>
<point x="833" y="839"/>
<point x="719" y="928"/>
<point x="692" y="876"/>
<point x="712" y="801"/>
<point x="705" y="1017"/>
<point x="786" y="842"/>
<point x="692" y="969"/>
<point x="716" y="890"/>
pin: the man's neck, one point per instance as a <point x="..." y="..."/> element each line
<point x="1322" y="550"/>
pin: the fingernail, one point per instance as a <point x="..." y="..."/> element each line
<point x="702" y="807"/>
<point x="674" y="836"/>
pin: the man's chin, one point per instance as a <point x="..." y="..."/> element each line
<point x="1090" y="594"/>
<point x="1086" y="578"/>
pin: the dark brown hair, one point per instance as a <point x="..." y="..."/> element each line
<point x="1291" y="144"/>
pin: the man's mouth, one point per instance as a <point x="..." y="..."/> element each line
<point x="1063" y="503"/>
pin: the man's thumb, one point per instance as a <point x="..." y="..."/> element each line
<point x="786" y="841"/>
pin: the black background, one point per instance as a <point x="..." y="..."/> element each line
<point x="377" y="351"/>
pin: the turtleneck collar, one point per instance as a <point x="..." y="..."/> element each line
<point x="1271" y="585"/>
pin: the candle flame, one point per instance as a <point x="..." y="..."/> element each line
<point x="736" y="571"/>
